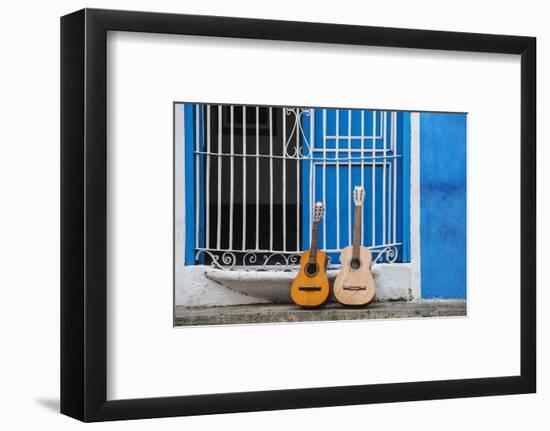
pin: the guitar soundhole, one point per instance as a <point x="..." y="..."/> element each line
<point x="355" y="264"/>
<point x="311" y="269"/>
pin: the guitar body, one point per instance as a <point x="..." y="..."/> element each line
<point x="310" y="288"/>
<point x="354" y="284"/>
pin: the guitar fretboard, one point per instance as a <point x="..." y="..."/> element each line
<point x="357" y="233"/>
<point x="313" y="248"/>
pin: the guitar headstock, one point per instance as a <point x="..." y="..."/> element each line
<point x="318" y="212"/>
<point x="359" y="195"/>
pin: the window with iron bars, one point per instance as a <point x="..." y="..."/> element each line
<point x="253" y="174"/>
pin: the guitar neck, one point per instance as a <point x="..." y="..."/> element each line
<point x="357" y="233"/>
<point x="313" y="248"/>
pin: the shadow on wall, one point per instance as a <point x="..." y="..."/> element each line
<point x="51" y="404"/>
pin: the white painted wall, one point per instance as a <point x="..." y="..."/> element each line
<point x="415" y="278"/>
<point x="29" y="222"/>
<point x="202" y="285"/>
<point x="144" y="76"/>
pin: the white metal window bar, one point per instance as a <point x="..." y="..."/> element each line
<point x="294" y="146"/>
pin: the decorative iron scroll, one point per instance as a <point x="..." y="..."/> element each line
<point x="386" y="255"/>
<point x="296" y="131"/>
<point x="227" y="261"/>
<point x="276" y="261"/>
<point x="252" y="260"/>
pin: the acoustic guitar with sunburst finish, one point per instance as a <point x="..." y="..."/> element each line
<point x="310" y="288"/>
<point x="354" y="284"/>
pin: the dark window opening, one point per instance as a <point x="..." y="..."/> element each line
<point x="257" y="181"/>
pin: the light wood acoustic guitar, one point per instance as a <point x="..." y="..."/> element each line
<point x="310" y="288"/>
<point x="354" y="284"/>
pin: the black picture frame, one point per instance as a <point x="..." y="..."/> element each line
<point x="84" y="214"/>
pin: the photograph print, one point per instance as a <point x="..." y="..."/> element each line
<point x="301" y="214"/>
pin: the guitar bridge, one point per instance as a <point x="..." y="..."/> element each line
<point x="355" y="287"/>
<point x="310" y="288"/>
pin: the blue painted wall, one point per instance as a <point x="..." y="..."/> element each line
<point x="404" y="210"/>
<point x="443" y="205"/>
<point x="190" y="112"/>
<point x="188" y="139"/>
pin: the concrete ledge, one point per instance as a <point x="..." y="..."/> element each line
<point x="277" y="313"/>
<point x="393" y="282"/>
